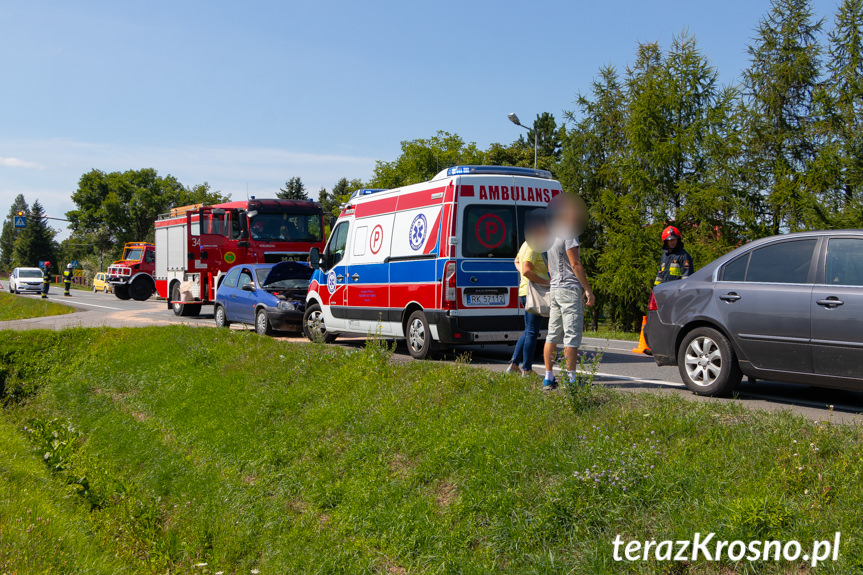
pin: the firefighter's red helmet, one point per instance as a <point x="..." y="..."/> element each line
<point x="670" y="232"/>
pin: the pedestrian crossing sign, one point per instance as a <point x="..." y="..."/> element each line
<point x="20" y="222"/>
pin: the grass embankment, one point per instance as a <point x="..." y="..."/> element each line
<point x="19" y="307"/>
<point x="160" y="449"/>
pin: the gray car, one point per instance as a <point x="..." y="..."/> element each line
<point x="786" y="308"/>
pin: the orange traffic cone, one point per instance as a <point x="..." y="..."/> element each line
<point x="642" y="344"/>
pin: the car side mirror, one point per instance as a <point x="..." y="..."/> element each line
<point x="315" y="258"/>
<point x="248" y="287"/>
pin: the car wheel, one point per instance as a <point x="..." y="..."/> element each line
<point x="221" y="317"/>
<point x="707" y="363"/>
<point x="313" y="325"/>
<point x="94" y="289"/>
<point x="262" y="324"/>
<point x="418" y="336"/>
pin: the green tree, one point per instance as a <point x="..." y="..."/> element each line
<point x="779" y="87"/>
<point x="10" y="232"/>
<point x="549" y="136"/>
<point x="422" y="159"/>
<point x="124" y="205"/>
<point x="294" y="189"/>
<point x="35" y="243"/>
<point x="837" y="175"/>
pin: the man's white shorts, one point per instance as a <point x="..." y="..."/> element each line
<point x="566" y="317"/>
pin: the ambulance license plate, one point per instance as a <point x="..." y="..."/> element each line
<point x="486" y="296"/>
<point x="486" y="300"/>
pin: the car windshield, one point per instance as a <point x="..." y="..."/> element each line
<point x="283" y="284"/>
<point x="29" y="274"/>
<point x="133" y="254"/>
<point x="287" y="227"/>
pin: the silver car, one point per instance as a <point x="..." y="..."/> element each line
<point x="25" y="279"/>
<point x="786" y="308"/>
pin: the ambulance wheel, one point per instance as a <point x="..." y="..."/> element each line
<point x="221" y="317"/>
<point x="181" y="309"/>
<point x="141" y="289"/>
<point x="262" y="323"/>
<point x="122" y="292"/>
<point x="418" y="336"/>
<point x="313" y="325"/>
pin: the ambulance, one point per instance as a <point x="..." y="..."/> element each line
<point x="431" y="263"/>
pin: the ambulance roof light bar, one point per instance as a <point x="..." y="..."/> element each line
<point x="498" y="170"/>
<point x="366" y="192"/>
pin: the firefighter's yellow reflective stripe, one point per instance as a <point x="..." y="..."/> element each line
<point x="657" y="282"/>
<point x="675" y="269"/>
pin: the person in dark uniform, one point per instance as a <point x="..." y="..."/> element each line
<point x="676" y="262"/>
<point x="46" y="279"/>
<point x="67" y="279"/>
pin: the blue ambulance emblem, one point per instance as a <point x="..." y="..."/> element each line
<point x="331" y="281"/>
<point x="417" y="232"/>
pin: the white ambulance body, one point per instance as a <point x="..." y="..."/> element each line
<point x="431" y="263"/>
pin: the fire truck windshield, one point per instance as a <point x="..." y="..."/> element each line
<point x="287" y="227"/>
<point x="133" y="254"/>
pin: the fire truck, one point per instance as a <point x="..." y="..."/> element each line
<point x="132" y="275"/>
<point x="196" y="244"/>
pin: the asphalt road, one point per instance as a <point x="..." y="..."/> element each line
<point x="620" y="368"/>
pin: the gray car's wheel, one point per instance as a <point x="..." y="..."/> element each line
<point x="262" y="323"/>
<point x="418" y="335"/>
<point x="707" y="363"/>
<point x="313" y="325"/>
<point x="221" y="317"/>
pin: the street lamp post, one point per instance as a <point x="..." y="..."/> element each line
<point x="514" y="119"/>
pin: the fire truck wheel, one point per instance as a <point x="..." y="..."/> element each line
<point x="122" y="292"/>
<point x="418" y="336"/>
<point x="313" y="325"/>
<point x="221" y="317"/>
<point x="141" y="289"/>
<point x="262" y="323"/>
<point x="182" y="309"/>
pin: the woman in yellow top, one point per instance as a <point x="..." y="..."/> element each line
<point x="531" y="268"/>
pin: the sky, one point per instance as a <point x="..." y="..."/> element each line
<point x="245" y="95"/>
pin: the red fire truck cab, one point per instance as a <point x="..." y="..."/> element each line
<point x="132" y="275"/>
<point x="196" y="244"/>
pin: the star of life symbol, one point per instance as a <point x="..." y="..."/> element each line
<point x="331" y="281"/>
<point x="417" y="232"/>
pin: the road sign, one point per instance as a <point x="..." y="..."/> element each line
<point x="75" y="264"/>
<point x="20" y="222"/>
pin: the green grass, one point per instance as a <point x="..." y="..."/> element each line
<point x="163" y="448"/>
<point x="604" y="333"/>
<point x="19" y="307"/>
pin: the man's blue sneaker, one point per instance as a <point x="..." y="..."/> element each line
<point x="549" y="384"/>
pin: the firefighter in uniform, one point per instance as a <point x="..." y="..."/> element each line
<point x="67" y="279"/>
<point x="46" y="279"/>
<point x="676" y="262"/>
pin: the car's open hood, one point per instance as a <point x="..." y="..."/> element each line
<point x="288" y="271"/>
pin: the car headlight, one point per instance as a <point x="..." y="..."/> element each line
<point x="288" y="306"/>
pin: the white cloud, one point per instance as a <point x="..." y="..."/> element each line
<point x="18" y="163"/>
<point x="233" y="170"/>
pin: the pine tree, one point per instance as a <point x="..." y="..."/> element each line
<point x="35" y="243"/>
<point x="780" y="87"/>
<point x="840" y="173"/>
<point x="10" y="232"/>
<point x="294" y="189"/>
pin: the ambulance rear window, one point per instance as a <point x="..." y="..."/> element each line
<point x="489" y="231"/>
